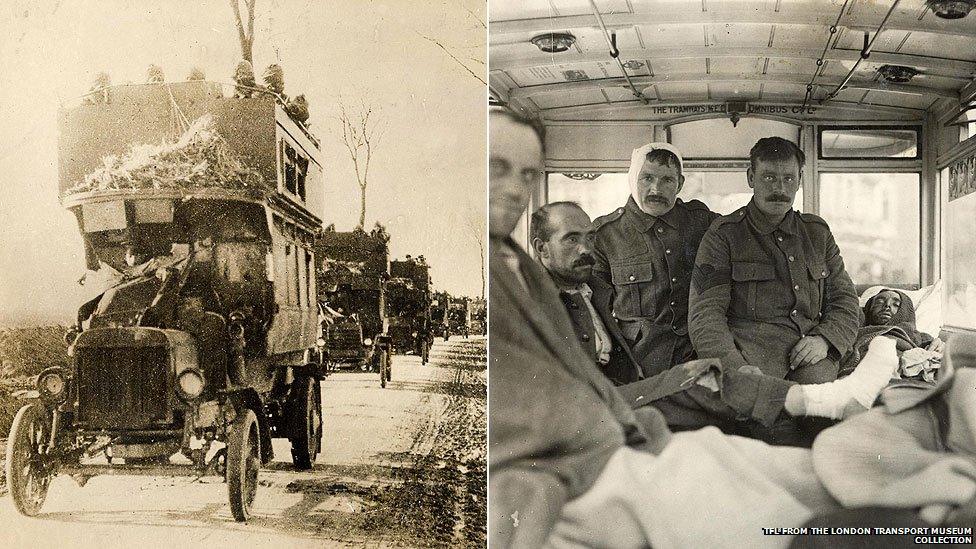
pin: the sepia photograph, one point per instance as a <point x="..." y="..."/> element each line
<point x="732" y="287"/>
<point x="243" y="273"/>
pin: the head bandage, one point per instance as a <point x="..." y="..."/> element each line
<point x="637" y="162"/>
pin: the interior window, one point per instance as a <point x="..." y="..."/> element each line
<point x="598" y="196"/>
<point x="301" y="171"/>
<point x="960" y="238"/>
<point x="868" y="143"/>
<point x="875" y="219"/>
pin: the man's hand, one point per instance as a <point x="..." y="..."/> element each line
<point x="809" y="350"/>
<point x="936" y="346"/>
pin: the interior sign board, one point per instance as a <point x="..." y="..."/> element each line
<point x="720" y="108"/>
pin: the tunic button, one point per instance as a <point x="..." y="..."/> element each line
<point x="660" y="229"/>
<point x="793" y="312"/>
<point x="780" y="238"/>
<point x="673" y="303"/>
<point x="823" y="273"/>
<point x="791" y="258"/>
<point x="586" y="337"/>
<point x="796" y="287"/>
<point x="632" y="278"/>
<point x="667" y="251"/>
<point x="674" y="279"/>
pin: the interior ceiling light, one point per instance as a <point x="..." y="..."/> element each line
<point x="897" y="74"/>
<point x="951" y="9"/>
<point x="633" y="65"/>
<point x="554" y="42"/>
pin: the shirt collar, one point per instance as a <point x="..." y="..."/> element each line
<point x="764" y="226"/>
<point x="645" y="221"/>
<point x="583" y="289"/>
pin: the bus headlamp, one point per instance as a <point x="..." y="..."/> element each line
<point x="190" y="384"/>
<point x="51" y="384"/>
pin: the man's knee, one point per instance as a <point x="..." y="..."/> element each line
<point x="823" y="371"/>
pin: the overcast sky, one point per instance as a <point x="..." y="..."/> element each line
<point x="427" y="180"/>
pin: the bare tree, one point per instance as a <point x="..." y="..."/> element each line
<point x="479" y="235"/>
<point x="246" y="37"/>
<point x="359" y="135"/>
<point x="468" y="62"/>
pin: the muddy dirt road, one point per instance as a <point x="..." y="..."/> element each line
<point x="401" y="466"/>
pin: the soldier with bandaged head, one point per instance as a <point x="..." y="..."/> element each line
<point x="646" y="250"/>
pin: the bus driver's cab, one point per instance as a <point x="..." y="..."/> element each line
<point x="880" y="96"/>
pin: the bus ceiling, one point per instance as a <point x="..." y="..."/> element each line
<point x="688" y="59"/>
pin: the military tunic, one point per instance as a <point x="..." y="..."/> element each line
<point x="758" y="288"/>
<point x="649" y="261"/>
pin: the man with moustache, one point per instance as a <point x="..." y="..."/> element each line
<point x="769" y="287"/>
<point x="561" y="234"/>
<point x="646" y="251"/>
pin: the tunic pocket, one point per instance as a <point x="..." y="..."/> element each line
<point x="747" y="276"/>
<point x="632" y="282"/>
<point x="818" y="285"/>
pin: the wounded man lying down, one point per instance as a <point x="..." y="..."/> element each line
<point x="572" y="465"/>
<point x="891" y="313"/>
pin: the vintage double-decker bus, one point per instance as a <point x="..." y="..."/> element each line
<point x="198" y="210"/>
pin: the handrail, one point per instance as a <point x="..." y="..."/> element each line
<point x="865" y="53"/>
<point x="615" y="53"/>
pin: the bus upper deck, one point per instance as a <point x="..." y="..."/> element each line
<point x="880" y="96"/>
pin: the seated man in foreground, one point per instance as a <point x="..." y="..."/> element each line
<point x="690" y="395"/>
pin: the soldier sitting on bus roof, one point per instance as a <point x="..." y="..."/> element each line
<point x="646" y="251"/>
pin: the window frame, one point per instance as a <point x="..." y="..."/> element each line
<point x="885" y="170"/>
<point x="916" y="128"/>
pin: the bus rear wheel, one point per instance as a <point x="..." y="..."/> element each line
<point x="305" y="422"/>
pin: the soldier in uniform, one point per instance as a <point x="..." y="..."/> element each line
<point x="646" y="251"/>
<point x="562" y="236"/>
<point x="769" y="287"/>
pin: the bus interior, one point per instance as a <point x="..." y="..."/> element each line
<point x="880" y="96"/>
